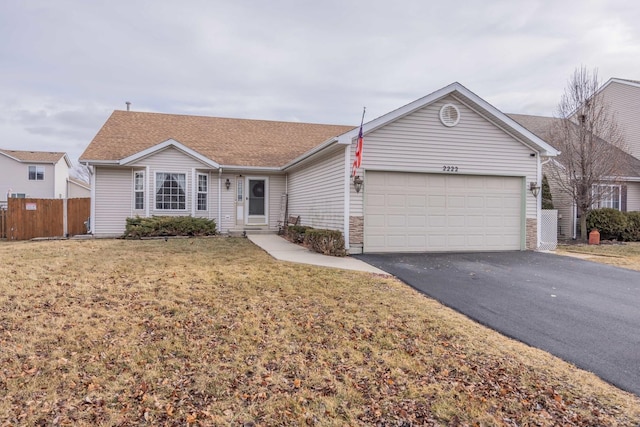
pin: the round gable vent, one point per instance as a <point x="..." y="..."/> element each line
<point x="449" y="115"/>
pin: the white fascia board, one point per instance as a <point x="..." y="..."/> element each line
<point x="11" y="157"/>
<point x="348" y="137"/>
<point x="100" y="162"/>
<point x="541" y="146"/>
<point x="236" y="168"/>
<point x="86" y="186"/>
<point x="621" y="81"/>
<point x="311" y="152"/>
<point x="168" y="143"/>
<point x="66" y="159"/>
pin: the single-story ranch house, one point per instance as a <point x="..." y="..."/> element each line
<point x="447" y="172"/>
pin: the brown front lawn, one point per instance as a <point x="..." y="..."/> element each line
<point x="215" y="332"/>
<point x="620" y="254"/>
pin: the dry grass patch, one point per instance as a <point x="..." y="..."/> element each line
<point x="626" y="255"/>
<point x="215" y="332"/>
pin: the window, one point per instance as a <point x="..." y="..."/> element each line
<point x="607" y="196"/>
<point x="171" y="191"/>
<point x="36" y="173"/>
<point x="202" y="192"/>
<point x="18" y="196"/>
<point x="138" y="190"/>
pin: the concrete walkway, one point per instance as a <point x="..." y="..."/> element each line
<point x="284" y="250"/>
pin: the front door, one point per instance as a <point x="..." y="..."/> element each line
<point x="256" y="201"/>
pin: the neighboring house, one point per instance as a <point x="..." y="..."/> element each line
<point x="78" y="188"/>
<point x="38" y="174"/>
<point x="447" y="172"/>
<point x="623" y="99"/>
<point x="624" y="195"/>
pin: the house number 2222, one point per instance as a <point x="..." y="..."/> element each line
<point x="450" y="169"/>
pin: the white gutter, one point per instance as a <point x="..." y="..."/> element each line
<point x="311" y="152"/>
<point x="92" y="218"/>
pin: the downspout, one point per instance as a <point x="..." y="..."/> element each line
<point x="219" y="198"/>
<point x="92" y="215"/>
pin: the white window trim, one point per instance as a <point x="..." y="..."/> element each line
<point x="38" y="168"/>
<point x="205" y="192"/>
<point x="608" y="200"/>
<point x="135" y="173"/>
<point x="155" y="191"/>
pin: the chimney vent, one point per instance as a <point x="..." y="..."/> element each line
<point x="128" y="105"/>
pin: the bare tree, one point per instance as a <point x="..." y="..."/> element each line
<point x="81" y="172"/>
<point x="592" y="147"/>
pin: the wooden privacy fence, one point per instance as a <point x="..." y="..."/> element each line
<point x="29" y="218"/>
<point x="3" y="223"/>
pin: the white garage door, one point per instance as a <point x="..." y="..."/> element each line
<point x="412" y="212"/>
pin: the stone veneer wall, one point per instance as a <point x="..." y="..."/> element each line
<point x="356" y="230"/>
<point x="532" y="234"/>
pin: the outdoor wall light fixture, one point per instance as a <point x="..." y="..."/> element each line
<point x="227" y="183"/>
<point x="534" y="188"/>
<point x="357" y="183"/>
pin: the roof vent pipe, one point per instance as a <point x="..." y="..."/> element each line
<point x="128" y="105"/>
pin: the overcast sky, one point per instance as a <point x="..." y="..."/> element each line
<point x="65" y="65"/>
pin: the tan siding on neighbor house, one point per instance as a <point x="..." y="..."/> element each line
<point x="624" y="101"/>
<point x="15" y="176"/>
<point x="61" y="172"/>
<point x="113" y="187"/>
<point x="563" y="203"/>
<point x="419" y="142"/>
<point x="316" y="190"/>
<point x="633" y="196"/>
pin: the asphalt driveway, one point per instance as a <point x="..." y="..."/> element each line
<point x="585" y="313"/>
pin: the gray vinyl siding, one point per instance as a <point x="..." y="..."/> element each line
<point x="277" y="187"/>
<point x="419" y="142"/>
<point x="227" y="203"/>
<point x="633" y="196"/>
<point x="170" y="160"/>
<point x="624" y="102"/>
<point x="113" y="188"/>
<point x="316" y="191"/>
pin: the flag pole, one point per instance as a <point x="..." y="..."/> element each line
<point x="359" y="143"/>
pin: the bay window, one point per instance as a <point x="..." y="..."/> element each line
<point x="171" y="191"/>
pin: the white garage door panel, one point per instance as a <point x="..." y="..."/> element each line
<point x="409" y="212"/>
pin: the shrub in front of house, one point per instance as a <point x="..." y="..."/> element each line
<point x="631" y="232"/>
<point x="611" y="223"/>
<point x="296" y="233"/>
<point x="328" y="242"/>
<point x="158" y="226"/>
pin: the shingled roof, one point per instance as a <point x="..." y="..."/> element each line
<point x="34" y="156"/>
<point x="543" y="128"/>
<point x="230" y="142"/>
